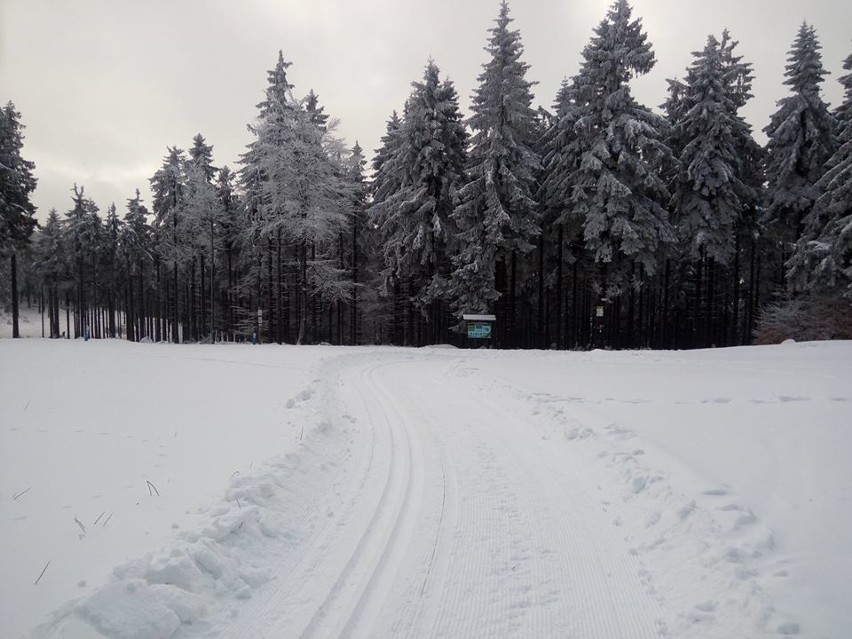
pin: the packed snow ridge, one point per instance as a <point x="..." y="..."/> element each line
<point x="158" y="491"/>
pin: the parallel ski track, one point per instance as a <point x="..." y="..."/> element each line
<point x="506" y="543"/>
<point x="277" y="609"/>
<point x="355" y="599"/>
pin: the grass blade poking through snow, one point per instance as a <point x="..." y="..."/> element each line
<point x="43" y="570"/>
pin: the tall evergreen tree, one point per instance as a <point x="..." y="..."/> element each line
<point x="135" y="254"/>
<point x="228" y="238"/>
<point x="355" y="175"/>
<point x="17" y="212"/>
<point x="386" y="175"/>
<point x="203" y="211"/>
<point x="295" y="193"/>
<point x="708" y="193"/>
<point x="414" y="222"/>
<point x="801" y="140"/>
<point x="609" y="176"/>
<point x="201" y="157"/>
<point x="498" y="216"/>
<point x="50" y="266"/>
<point x="316" y="112"/>
<point x="80" y="231"/>
<point x="168" y="186"/>
<point x="715" y="187"/>
<point x="822" y="260"/>
<point x="113" y="233"/>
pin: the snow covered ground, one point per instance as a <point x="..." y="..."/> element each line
<point x="234" y="491"/>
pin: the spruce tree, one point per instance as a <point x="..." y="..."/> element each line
<point x="203" y="213"/>
<point x="50" y="266"/>
<point x="294" y="193"/>
<point x="17" y="212"/>
<point x="822" y="261"/>
<point x="413" y="221"/>
<point x="135" y="254"/>
<point x="384" y="298"/>
<point x="229" y="231"/>
<point x="316" y="113"/>
<point x="355" y="176"/>
<point x="707" y="196"/>
<point x="498" y="215"/>
<point x="201" y="157"/>
<point x="801" y="140"/>
<point x="168" y="186"/>
<point x="714" y="187"/>
<point x="606" y="174"/>
<point x="80" y="232"/>
<point x="387" y="176"/>
<point x="113" y="234"/>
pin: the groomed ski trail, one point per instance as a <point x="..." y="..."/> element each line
<point x="441" y="522"/>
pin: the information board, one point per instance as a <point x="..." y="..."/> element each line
<point x="479" y="330"/>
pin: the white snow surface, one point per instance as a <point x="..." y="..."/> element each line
<point x="156" y="491"/>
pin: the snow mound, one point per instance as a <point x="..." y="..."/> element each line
<point x="226" y="560"/>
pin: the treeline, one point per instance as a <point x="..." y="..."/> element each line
<point x="597" y="222"/>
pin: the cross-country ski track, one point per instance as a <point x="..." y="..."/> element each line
<point x="441" y="527"/>
<point x="444" y="493"/>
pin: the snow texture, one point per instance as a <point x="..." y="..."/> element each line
<point x="239" y="491"/>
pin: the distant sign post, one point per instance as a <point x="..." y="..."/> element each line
<point x="478" y="327"/>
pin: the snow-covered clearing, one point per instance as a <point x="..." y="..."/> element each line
<point x="238" y="491"/>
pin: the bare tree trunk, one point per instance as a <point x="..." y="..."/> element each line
<point x="353" y="323"/>
<point x="303" y="293"/>
<point x="560" y="288"/>
<point x="512" y="300"/>
<point x="202" y="299"/>
<point x="736" y="309"/>
<point x="129" y="314"/>
<point x="541" y="336"/>
<point x="175" y="329"/>
<point x="576" y="311"/>
<point x="16" y="333"/>
<point x="279" y="291"/>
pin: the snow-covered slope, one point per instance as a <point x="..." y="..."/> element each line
<point x="238" y="491"/>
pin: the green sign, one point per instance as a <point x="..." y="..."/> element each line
<point x="479" y="330"/>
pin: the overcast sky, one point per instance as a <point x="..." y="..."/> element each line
<point x="104" y="86"/>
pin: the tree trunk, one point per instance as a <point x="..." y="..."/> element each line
<point x="575" y="305"/>
<point x="303" y="293"/>
<point x="512" y="300"/>
<point x="560" y="284"/>
<point x="541" y="337"/>
<point x="129" y="314"/>
<point x="202" y="299"/>
<point x="279" y="291"/>
<point x="16" y="333"/>
<point x="175" y="329"/>
<point x="736" y="306"/>
<point x="353" y="322"/>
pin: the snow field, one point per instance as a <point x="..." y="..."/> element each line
<point x="328" y="492"/>
<point x="87" y="424"/>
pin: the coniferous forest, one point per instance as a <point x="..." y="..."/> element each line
<point x="595" y="222"/>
